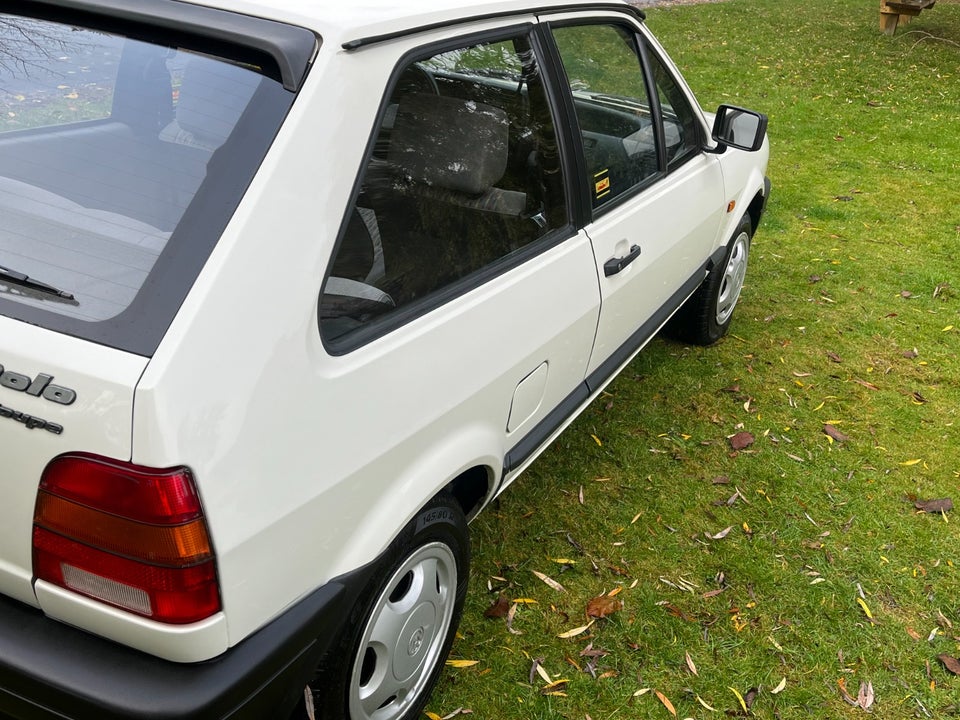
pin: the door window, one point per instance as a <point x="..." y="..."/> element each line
<point x="610" y="97"/>
<point x="465" y="176"/>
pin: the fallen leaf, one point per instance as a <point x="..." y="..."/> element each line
<point x="721" y="480"/>
<point x="751" y="696"/>
<point x="741" y="440"/>
<point x="554" y="688"/>
<point x="603" y="605"/>
<point x="705" y="704"/>
<point x="834" y="433"/>
<point x="833" y="356"/>
<point x="934" y="506"/>
<point x="865" y="696"/>
<point x="607" y="674"/>
<point x="690" y="666"/>
<point x="842" y="685"/>
<point x="458" y="711"/>
<point x="743" y="703"/>
<point x="909" y="463"/>
<point x="720" y="535"/>
<point x="781" y="686"/>
<point x="666" y="703"/>
<point x="641" y="692"/>
<point x="550" y="581"/>
<point x="462" y="663"/>
<point x="499" y="609"/>
<point x="592" y="652"/>
<point x="869" y="386"/>
<point x="432" y="715"/>
<point x="865" y="608"/>
<point x="951" y="663"/>
<point x="576" y="631"/>
<point x="539" y="670"/>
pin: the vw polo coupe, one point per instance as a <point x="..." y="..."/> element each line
<point x="289" y="292"/>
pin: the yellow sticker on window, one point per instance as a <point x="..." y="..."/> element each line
<point x="601" y="183"/>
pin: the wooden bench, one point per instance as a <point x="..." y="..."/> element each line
<point x="894" y="13"/>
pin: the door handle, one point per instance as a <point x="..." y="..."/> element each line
<point x="615" y="265"/>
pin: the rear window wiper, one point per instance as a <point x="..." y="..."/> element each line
<point x="13" y="277"/>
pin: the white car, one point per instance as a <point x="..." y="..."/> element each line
<point x="290" y="291"/>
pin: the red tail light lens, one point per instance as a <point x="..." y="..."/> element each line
<point x="130" y="536"/>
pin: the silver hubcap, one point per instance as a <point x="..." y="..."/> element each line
<point x="401" y="643"/>
<point x="733" y="274"/>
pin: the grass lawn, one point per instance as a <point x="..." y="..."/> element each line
<point x="791" y="570"/>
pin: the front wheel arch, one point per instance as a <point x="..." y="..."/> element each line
<point x="706" y="315"/>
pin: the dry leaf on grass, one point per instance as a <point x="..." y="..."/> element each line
<point x="499" y="609"/>
<point x="934" y="506"/>
<point x="603" y="605"/>
<point x="832" y="432"/>
<point x="557" y="687"/>
<point x="720" y="535"/>
<point x="576" y="631"/>
<point x="741" y="440"/>
<point x="951" y="663"/>
<point x="550" y="581"/>
<point x="666" y="702"/>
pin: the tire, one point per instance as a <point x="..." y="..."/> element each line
<point x="706" y="315"/>
<point x="394" y="646"/>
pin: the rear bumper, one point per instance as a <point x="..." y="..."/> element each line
<point x="50" y="670"/>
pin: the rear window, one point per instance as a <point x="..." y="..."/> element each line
<point x="121" y="161"/>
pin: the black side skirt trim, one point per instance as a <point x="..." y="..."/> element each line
<point x="529" y="444"/>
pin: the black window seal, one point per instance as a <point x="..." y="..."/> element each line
<point x="533" y="10"/>
<point x="568" y="124"/>
<point x="283" y="51"/>
<point x="380" y="327"/>
<point x="649" y="54"/>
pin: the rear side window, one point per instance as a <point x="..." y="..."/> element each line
<point x="106" y="142"/>
<point x="465" y="177"/>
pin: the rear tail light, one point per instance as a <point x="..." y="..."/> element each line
<point x="130" y="536"/>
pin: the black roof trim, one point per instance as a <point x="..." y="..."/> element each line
<point x="290" y="48"/>
<point x="551" y="9"/>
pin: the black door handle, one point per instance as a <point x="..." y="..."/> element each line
<point x="615" y="265"/>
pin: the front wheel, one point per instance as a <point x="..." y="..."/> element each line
<point x="706" y="315"/>
<point x="394" y="647"/>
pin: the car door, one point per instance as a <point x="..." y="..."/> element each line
<point x="461" y="296"/>
<point x="655" y="198"/>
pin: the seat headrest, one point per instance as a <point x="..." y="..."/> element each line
<point x="450" y="143"/>
<point x="212" y="97"/>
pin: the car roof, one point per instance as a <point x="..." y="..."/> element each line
<point x="340" y="22"/>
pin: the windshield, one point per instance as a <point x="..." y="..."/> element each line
<point x="109" y="147"/>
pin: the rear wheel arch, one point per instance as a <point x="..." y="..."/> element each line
<point x="471" y="489"/>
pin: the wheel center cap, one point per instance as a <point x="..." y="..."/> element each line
<point x="416" y="641"/>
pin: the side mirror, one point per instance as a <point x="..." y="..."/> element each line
<point x="739" y="128"/>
